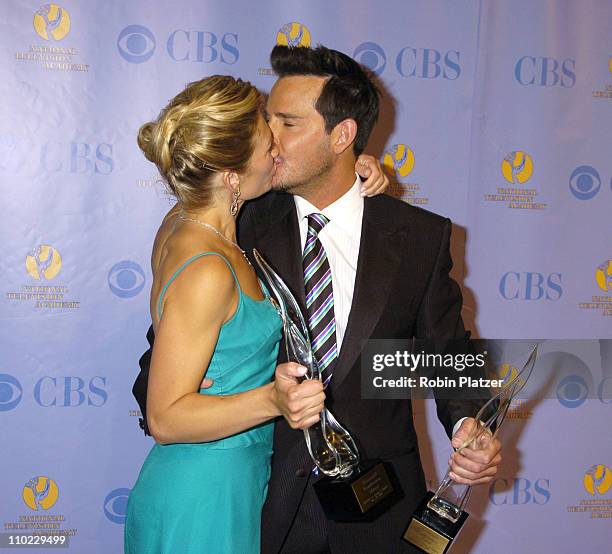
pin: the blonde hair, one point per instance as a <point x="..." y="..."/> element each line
<point x="208" y="127"/>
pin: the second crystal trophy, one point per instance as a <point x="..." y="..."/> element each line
<point x="441" y="515"/>
<point x="349" y="490"/>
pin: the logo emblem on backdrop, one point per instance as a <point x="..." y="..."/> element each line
<point x="603" y="280"/>
<point x="115" y="505"/>
<point x="372" y="56"/>
<point x="40" y="492"/>
<point x="399" y="160"/>
<point x="44" y="262"/>
<point x="10" y="392"/>
<point x="517" y="167"/>
<point x="597" y="479"/>
<point x="584" y="182"/>
<point x="398" y="163"/>
<point x="603" y="276"/>
<point x="136" y="44"/>
<point x="572" y="391"/>
<point x="293" y="34"/>
<point x="126" y="279"/>
<point x="52" y="24"/>
<point x="51" y="21"/>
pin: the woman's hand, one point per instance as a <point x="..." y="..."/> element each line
<point x="369" y="168"/>
<point x="300" y="403"/>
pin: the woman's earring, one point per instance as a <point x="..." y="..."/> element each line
<point x="234" y="206"/>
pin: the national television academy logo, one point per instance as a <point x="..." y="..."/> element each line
<point x="293" y="34"/>
<point x="40" y="493"/>
<point x="52" y="21"/>
<point x="517" y="167"/>
<point x="399" y="160"/>
<point x="597" y="480"/>
<point x="603" y="276"/>
<point x="44" y="262"/>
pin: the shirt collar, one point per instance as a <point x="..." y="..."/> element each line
<point x="342" y="212"/>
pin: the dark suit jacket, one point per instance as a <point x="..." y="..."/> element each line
<point x="402" y="290"/>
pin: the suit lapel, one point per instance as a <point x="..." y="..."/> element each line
<point x="278" y="240"/>
<point x="380" y="254"/>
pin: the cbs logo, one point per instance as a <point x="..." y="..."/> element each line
<point x="126" y="279"/>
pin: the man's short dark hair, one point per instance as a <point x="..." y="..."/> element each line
<point x="349" y="92"/>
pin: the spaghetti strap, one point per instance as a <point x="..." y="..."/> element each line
<point x="184" y="265"/>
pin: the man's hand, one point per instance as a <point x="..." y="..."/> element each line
<point x="369" y="168"/>
<point x="476" y="463"/>
<point x="299" y="403"/>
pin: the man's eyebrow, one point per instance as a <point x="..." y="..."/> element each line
<point x="284" y="115"/>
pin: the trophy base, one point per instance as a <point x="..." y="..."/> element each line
<point x="363" y="496"/>
<point x="430" y="532"/>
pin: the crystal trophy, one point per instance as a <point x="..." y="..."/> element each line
<point x="349" y="490"/>
<point x="441" y="515"/>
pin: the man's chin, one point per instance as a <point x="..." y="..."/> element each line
<point x="278" y="185"/>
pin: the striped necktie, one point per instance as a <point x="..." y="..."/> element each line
<point x="319" y="298"/>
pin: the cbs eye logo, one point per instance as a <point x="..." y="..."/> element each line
<point x="115" y="505"/>
<point x="585" y="182"/>
<point x="126" y="279"/>
<point x="136" y="44"/>
<point x="572" y="391"/>
<point x="10" y="392"/>
<point x="372" y="56"/>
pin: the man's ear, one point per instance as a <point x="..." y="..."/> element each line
<point x="343" y="135"/>
<point x="231" y="180"/>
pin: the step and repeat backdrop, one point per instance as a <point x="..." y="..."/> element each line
<point x="496" y="114"/>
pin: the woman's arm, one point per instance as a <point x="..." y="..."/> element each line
<point x="197" y="304"/>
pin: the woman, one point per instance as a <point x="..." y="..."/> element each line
<point x="202" y="486"/>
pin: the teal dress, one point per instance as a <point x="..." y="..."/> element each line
<point x="207" y="497"/>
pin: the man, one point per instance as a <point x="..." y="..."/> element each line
<point x="389" y="264"/>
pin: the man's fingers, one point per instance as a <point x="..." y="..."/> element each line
<point x="485" y="456"/>
<point x="306" y="417"/>
<point x="290" y="371"/>
<point x="458" y="460"/>
<point x="464" y="481"/>
<point x="305" y="424"/>
<point x="298" y="405"/>
<point x="471" y="478"/>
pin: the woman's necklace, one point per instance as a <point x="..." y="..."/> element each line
<point x="216" y="231"/>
